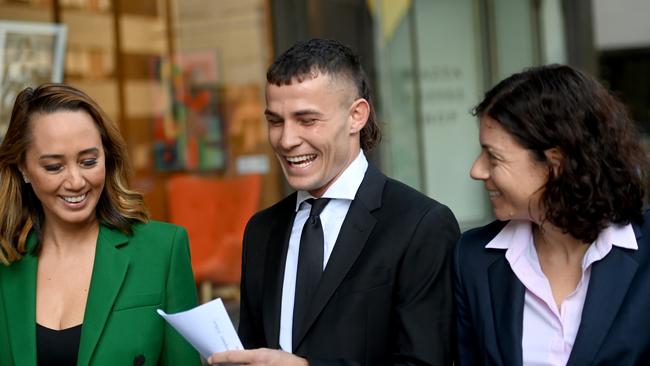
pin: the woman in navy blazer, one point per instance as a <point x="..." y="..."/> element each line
<point x="563" y="276"/>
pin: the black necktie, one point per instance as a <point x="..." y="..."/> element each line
<point x="310" y="264"/>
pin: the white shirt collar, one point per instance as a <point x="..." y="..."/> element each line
<point x="518" y="231"/>
<point x="345" y="186"/>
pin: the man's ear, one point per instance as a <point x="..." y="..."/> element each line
<point x="359" y="114"/>
<point x="555" y="158"/>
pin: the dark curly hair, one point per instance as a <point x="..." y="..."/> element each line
<point x="330" y="57"/>
<point x="601" y="177"/>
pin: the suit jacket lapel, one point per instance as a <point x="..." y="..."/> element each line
<point x="276" y="256"/>
<point x="109" y="271"/>
<point x="356" y="229"/>
<point x="507" y="296"/>
<point x="19" y="291"/>
<point x="609" y="282"/>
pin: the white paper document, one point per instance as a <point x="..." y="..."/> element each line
<point x="207" y="327"/>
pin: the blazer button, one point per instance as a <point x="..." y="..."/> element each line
<point x="138" y="360"/>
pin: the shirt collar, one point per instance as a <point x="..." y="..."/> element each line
<point x="345" y="186"/>
<point x="517" y="235"/>
<point x="621" y="236"/>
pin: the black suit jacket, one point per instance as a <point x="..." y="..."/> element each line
<point x="615" y="325"/>
<point x="385" y="297"/>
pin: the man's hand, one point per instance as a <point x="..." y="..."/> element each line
<point x="258" y="357"/>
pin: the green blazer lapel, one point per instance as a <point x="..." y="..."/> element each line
<point x="109" y="271"/>
<point x="19" y="292"/>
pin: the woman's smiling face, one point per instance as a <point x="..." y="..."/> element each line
<point x="513" y="178"/>
<point x="65" y="165"/>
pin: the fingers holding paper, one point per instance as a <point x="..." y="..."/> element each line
<point x="257" y="357"/>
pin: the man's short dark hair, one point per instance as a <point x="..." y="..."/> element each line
<point x="325" y="56"/>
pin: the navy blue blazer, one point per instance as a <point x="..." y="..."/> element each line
<point x="615" y="325"/>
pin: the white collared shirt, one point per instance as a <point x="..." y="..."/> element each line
<point x="342" y="192"/>
<point x="548" y="332"/>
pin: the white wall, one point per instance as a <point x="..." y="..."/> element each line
<point x="553" y="42"/>
<point x="621" y="23"/>
<point x="451" y="83"/>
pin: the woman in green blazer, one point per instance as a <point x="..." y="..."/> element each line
<point x="84" y="268"/>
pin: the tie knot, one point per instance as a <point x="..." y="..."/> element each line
<point x="317" y="205"/>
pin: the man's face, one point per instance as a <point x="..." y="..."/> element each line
<point x="314" y="129"/>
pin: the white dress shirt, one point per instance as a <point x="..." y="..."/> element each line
<point x="341" y="192"/>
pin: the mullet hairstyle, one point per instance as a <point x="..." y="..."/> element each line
<point x="600" y="180"/>
<point x="307" y="59"/>
<point x="20" y="209"/>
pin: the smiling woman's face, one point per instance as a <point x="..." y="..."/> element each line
<point x="65" y="165"/>
<point x="513" y="178"/>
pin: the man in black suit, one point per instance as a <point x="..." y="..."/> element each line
<point x="383" y="295"/>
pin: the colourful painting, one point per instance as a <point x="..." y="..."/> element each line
<point x="188" y="128"/>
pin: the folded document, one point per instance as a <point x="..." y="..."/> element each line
<point x="207" y="327"/>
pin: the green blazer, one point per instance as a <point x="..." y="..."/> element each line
<point x="132" y="277"/>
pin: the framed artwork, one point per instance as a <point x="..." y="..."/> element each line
<point x="188" y="127"/>
<point x="30" y="54"/>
